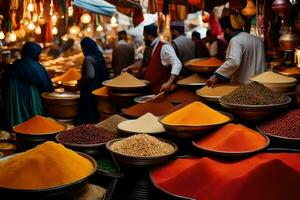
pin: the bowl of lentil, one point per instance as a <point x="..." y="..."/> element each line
<point x="86" y="138"/>
<point x="254" y="102"/>
<point x="141" y="150"/>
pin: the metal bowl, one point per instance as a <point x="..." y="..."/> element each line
<point x="90" y="149"/>
<point x="124" y="88"/>
<point x="29" y="141"/>
<point x="67" y="191"/>
<point x="231" y="154"/>
<point x="189" y="132"/>
<point x="254" y="112"/>
<point x="61" y="105"/>
<point x="136" y="161"/>
<point x="204" y="69"/>
<point x="280" y="139"/>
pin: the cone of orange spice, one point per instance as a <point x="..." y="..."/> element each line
<point x="39" y="125"/>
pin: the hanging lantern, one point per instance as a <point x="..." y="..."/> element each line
<point x="21" y="33"/>
<point x="54" y="30"/>
<point x="70" y="11"/>
<point x="281" y="7"/>
<point x="85" y="18"/>
<point x="30" y="7"/>
<point x="74" y="30"/>
<point x="31" y="26"/>
<point x="38" y="30"/>
<point x="250" y="9"/>
<point x="54" y="19"/>
<point x="99" y="28"/>
<point x="113" y="22"/>
<point x="88" y="29"/>
<point x="2" y="36"/>
<point x="11" y="37"/>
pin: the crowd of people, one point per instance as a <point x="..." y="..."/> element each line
<point x="161" y="65"/>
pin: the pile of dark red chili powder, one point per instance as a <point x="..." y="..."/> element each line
<point x="265" y="176"/>
<point x="286" y="125"/>
<point x="86" y="134"/>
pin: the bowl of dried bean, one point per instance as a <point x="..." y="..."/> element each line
<point x="86" y="138"/>
<point x="141" y="150"/>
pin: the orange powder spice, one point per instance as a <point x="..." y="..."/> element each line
<point x="70" y="75"/>
<point x="103" y="91"/>
<point x="211" y="62"/>
<point x="195" y="114"/>
<point x="39" y="125"/>
<point x="233" y="138"/>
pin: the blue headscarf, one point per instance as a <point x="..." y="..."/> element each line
<point x="31" y="50"/>
<point x="89" y="47"/>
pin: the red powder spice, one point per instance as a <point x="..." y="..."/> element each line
<point x="265" y="176"/>
<point x="156" y="108"/>
<point x="181" y="95"/>
<point x="233" y="138"/>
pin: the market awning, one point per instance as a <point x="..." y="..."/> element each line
<point x="97" y="6"/>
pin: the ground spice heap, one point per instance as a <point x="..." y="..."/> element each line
<point x="193" y="79"/>
<point x="195" y="114"/>
<point x="264" y="176"/>
<point x="148" y="123"/>
<point x="111" y="123"/>
<point x="290" y="71"/>
<point x="103" y="91"/>
<point x="233" y="138"/>
<point x="142" y="145"/>
<point x="210" y="62"/>
<point x="86" y="134"/>
<point x="218" y="90"/>
<point x="70" y="75"/>
<point x="156" y="108"/>
<point x="47" y="165"/>
<point x="254" y="94"/>
<point x="125" y="80"/>
<point x="180" y="96"/>
<point x="286" y="125"/>
<point x="272" y="77"/>
<point x="39" y="125"/>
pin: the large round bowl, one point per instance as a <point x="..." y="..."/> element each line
<point x="189" y="132"/>
<point x="67" y="191"/>
<point x="202" y="69"/>
<point x="280" y="139"/>
<point x="231" y="154"/>
<point x="281" y="87"/>
<point x="28" y="141"/>
<point x="136" y="161"/>
<point x="91" y="149"/>
<point x="61" y="105"/>
<point x="125" y="88"/>
<point x="254" y="112"/>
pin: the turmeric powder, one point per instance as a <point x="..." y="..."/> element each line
<point x="195" y="114"/>
<point x="210" y="62"/>
<point x="39" y="125"/>
<point x="45" y="166"/>
<point x="233" y="138"/>
<point x="103" y="91"/>
<point x="70" y="75"/>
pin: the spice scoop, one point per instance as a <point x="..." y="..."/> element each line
<point x="154" y="97"/>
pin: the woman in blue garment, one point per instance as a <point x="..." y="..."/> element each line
<point x="93" y="74"/>
<point x="25" y="81"/>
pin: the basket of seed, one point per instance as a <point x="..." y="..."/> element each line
<point x="254" y="101"/>
<point x="141" y="150"/>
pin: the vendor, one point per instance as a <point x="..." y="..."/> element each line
<point x="200" y="48"/>
<point x="245" y="55"/>
<point x="158" y="56"/>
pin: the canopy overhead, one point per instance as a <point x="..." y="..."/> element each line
<point x="97" y="6"/>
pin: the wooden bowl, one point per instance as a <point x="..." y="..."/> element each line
<point x="67" y="191"/>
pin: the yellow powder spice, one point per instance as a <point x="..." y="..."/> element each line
<point x="103" y="91"/>
<point x="195" y="114"/>
<point x="71" y="75"/>
<point x="218" y="90"/>
<point x="125" y="80"/>
<point x="272" y="77"/>
<point x="45" y="166"/>
<point x="193" y="79"/>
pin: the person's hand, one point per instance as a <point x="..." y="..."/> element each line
<point x="126" y="69"/>
<point x="167" y="86"/>
<point x="212" y="81"/>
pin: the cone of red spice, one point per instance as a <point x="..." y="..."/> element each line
<point x="265" y="176"/>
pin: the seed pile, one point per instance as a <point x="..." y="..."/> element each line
<point x="111" y="123"/>
<point x="286" y="125"/>
<point x="254" y="94"/>
<point x="142" y="145"/>
<point x="86" y="134"/>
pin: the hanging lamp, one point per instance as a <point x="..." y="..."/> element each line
<point x="250" y="9"/>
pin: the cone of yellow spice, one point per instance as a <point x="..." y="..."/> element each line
<point x="195" y="114"/>
<point x="45" y="166"/>
<point x="71" y="75"/>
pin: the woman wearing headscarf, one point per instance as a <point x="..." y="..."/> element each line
<point x="93" y="74"/>
<point x="25" y="82"/>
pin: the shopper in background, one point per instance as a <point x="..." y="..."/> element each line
<point x="25" y="81"/>
<point x="123" y="54"/>
<point x="217" y="47"/>
<point x="200" y="48"/>
<point x="93" y="74"/>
